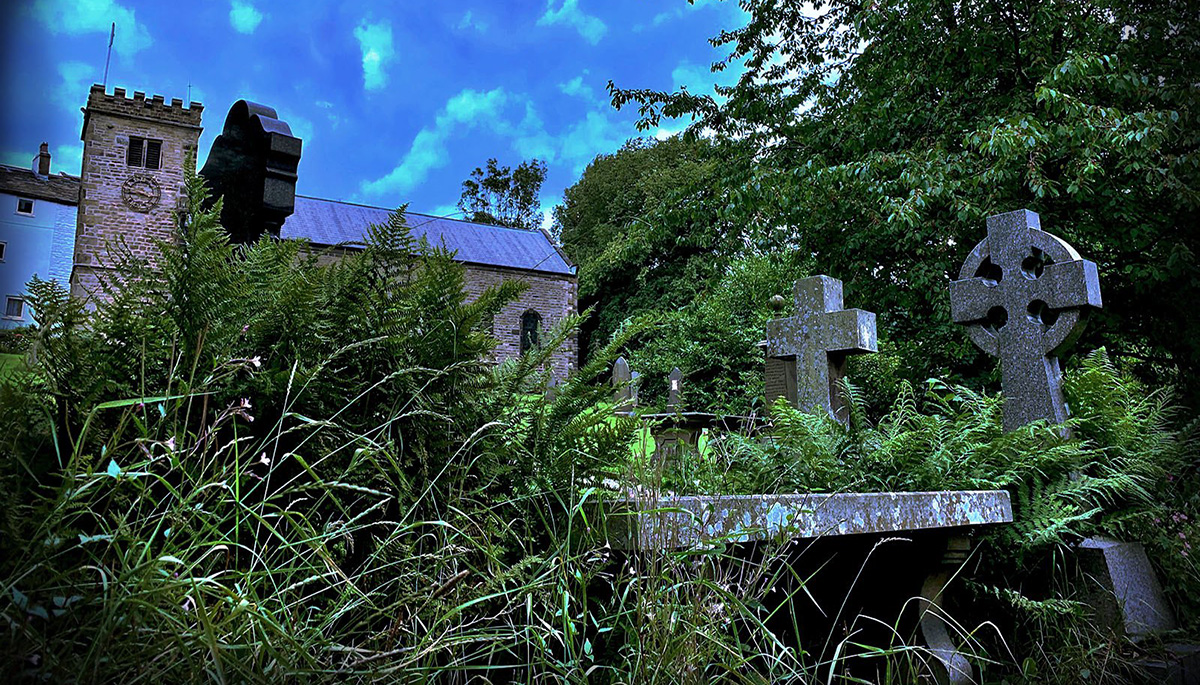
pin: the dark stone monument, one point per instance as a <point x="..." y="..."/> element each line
<point x="253" y="164"/>
<point x="816" y="342"/>
<point x="1023" y="295"/>
<point x="674" y="390"/>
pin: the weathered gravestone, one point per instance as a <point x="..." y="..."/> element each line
<point x="674" y="389"/>
<point x="815" y="344"/>
<point x="624" y="387"/>
<point x="1023" y="295"/>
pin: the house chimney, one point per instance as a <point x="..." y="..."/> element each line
<point x="43" y="160"/>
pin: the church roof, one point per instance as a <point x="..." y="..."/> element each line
<point x="329" y="222"/>
<point x="61" y="188"/>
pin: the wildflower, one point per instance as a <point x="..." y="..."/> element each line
<point x="245" y="403"/>
<point x="262" y="459"/>
<point x="170" y="444"/>
<point x="256" y="361"/>
<point x="245" y="328"/>
<point x="188" y="604"/>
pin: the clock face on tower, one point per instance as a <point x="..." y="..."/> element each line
<point x="141" y="192"/>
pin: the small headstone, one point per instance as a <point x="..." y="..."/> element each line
<point x="624" y="393"/>
<point x="1023" y="295"/>
<point x="1123" y="590"/>
<point x="552" y="389"/>
<point x="674" y="389"/>
<point x="815" y="344"/>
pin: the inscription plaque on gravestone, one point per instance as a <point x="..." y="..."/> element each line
<point x="1023" y="295"/>
<point x="816" y="342"/>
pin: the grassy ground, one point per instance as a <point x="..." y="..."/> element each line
<point x="9" y="362"/>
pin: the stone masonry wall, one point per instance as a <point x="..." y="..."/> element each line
<point x="550" y="295"/>
<point x="104" y="220"/>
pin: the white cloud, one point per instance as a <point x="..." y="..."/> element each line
<point x="243" y="17"/>
<point x="68" y="158"/>
<point x="588" y="26"/>
<point x="466" y="110"/>
<point x="662" y="133"/>
<point x="530" y="139"/>
<point x="451" y="211"/>
<point x="19" y="159"/>
<point x="375" y="40"/>
<point x="72" y="91"/>
<point x="501" y="113"/>
<point x="76" y="17"/>
<point x="470" y="21"/>
<point x="301" y="128"/>
<point x="592" y="135"/>
<point x="701" y="80"/>
<point x="578" y="87"/>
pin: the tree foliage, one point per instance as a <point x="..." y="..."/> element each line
<point x="883" y="134"/>
<point x="502" y="196"/>
<point x="645" y="227"/>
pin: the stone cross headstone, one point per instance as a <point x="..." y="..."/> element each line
<point x="1023" y="295"/>
<point x="624" y="389"/>
<point x="674" y="389"/>
<point x="815" y="343"/>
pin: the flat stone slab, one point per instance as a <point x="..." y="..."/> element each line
<point x="678" y="522"/>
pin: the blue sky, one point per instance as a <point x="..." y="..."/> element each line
<point x="396" y="101"/>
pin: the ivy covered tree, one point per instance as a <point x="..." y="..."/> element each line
<point x="883" y="134"/>
<point x="502" y="196"/>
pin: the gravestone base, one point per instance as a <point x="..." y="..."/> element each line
<point x="1179" y="666"/>
<point x="1124" y="593"/>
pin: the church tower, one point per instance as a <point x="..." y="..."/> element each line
<point x="134" y="155"/>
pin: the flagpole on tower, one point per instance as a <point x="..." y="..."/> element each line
<point x="111" y="35"/>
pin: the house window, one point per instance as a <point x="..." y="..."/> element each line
<point x="144" y="152"/>
<point x="24" y="206"/>
<point x="14" y="308"/>
<point x="531" y="329"/>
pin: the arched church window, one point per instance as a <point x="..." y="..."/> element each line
<point x="531" y="330"/>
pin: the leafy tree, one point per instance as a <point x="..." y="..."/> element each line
<point x="502" y="196"/>
<point x="643" y="225"/>
<point x="882" y="135"/>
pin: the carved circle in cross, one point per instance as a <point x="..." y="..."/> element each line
<point x="1014" y="287"/>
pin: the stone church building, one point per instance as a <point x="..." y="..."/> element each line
<point x="134" y="154"/>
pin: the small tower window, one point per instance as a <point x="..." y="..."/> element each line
<point x="24" y="206"/>
<point x="531" y="330"/>
<point x="144" y="152"/>
<point x="3" y="249"/>
<point x="14" y="308"/>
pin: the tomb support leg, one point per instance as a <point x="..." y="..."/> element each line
<point x="949" y="666"/>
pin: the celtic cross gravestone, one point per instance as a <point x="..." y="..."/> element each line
<point x="1023" y="295"/>
<point x="816" y="342"/>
